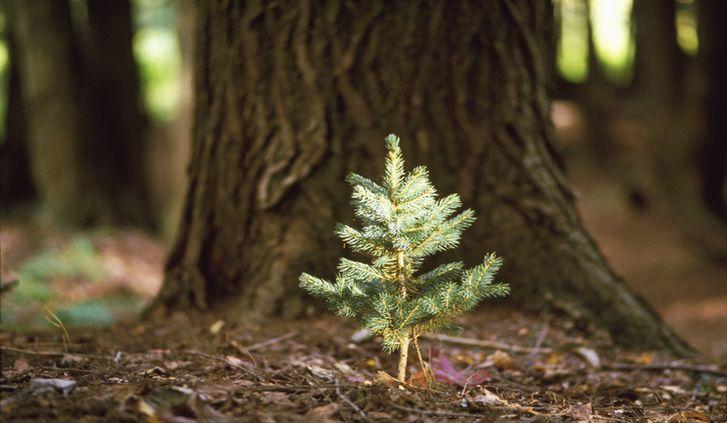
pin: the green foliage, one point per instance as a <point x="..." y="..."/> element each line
<point x="157" y="52"/>
<point x="403" y="223"/>
<point x="45" y="278"/>
<point x="78" y="260"/>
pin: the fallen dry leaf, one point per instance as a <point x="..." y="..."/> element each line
<point x="554" y="359"/>
<point x="216" y="326"/>
<point x="69" y="359"/>
<point x="419" y="380"/>
<point x="64" y="386"/>
<point x="322" y="414"/>
<point x="582" y="412"/>
<point x="502" y="360"/>
<point x="277" y="398"/>
<point x="174" y="365"/>
<point x="590" y="356"/>
<point x="444" y="371"/>
<point x="645" y="359"/>
<point x="385" y="378"/>
<point x="21" y="365"/>
<point x="487" y="398"/>
<point x="694" y="415"/>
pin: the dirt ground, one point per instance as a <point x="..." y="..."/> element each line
<point x="525" y="369"/>
<point x="507" y="366"/>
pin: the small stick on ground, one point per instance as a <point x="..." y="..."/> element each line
<point x="485" y="344"/>
<point x="242" y="350"/>
<point x="54" y="320"/>
<point x="52" y="353"/>
<point x="541" y="338"/>
<point x="271" y="341"/>
<point x="353" y="405"/>
<point x="425" y="369"/>
<point x="658" y="367"/>
<point x="434" y="412"/>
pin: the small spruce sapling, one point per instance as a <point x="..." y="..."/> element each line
<point x="404" y="222"/>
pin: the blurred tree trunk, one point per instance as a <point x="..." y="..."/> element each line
<point x="291" y="97"/>
<point x="598" y="98"/>
<point x="119" y="124"/>
<point x="82" y="116"/>
<point x="712" y="24"/>
<point x="49" y="62"/>
<point x="169" y="154"/>
<point x="15" y="178"/>
<point x="659" y="84"/>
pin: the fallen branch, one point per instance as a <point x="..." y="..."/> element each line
<point x="53" y="353"/>
<point x="675" y="366"/>
<point x="434" y="412"/>
<point x="353" y="405"/>
<point x="485" y="344"/>
<point x="269" y="342"/>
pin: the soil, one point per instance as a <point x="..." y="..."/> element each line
<point x="532" y="368"/>
<point x="527" y="367"/>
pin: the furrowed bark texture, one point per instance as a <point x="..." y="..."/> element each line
<point x="292" y="96"/>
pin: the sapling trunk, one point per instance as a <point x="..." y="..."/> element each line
<point x="404" y="222"/>
<point x="403" y="358"/>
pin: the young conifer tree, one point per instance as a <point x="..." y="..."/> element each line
<point x="404" y="222"/>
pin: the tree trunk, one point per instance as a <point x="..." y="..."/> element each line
<point x="84" y="136"/>
<point x="598" y="98"/>
<point x="119" y="124"/>
<point x="169" y="154"/>
<point x="49" y="63"/>
<point x="712" y="15"/>
<point x="15" y="179"/>
<point x="659" y="82"/>
<point x="292" y="96"/>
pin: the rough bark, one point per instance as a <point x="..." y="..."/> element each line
<point x="712" y="15"/>
<point x="292" y="96"/>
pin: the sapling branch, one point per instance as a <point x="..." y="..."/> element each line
<point x="403" y="222"/>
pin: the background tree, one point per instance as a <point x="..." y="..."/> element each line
<point x="15" y="179"/>
<point x="84" y="132"/>
<point x="48" y="60"/>
<point x="119" y="123"/>
<point x="291" y="97"/>
<point x="712" y="15"/>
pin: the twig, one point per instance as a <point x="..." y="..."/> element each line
<point x="349" y="402"/>
<point x="242" y="350"/>
<point x="295" y="388"/>
<point x="272" y="341"/>
<point x="57" y="322"/>
<point x="484" y="344"/>
<point x="657" y="367"/>
<point x="425" y="370"/>
<point x="435" y="413"/>
<point x="53" y="353"/>
<point x="541" y="338"/>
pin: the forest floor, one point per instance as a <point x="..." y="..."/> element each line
<point x="110" y="367"/>
<point x="523" y="368"/>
